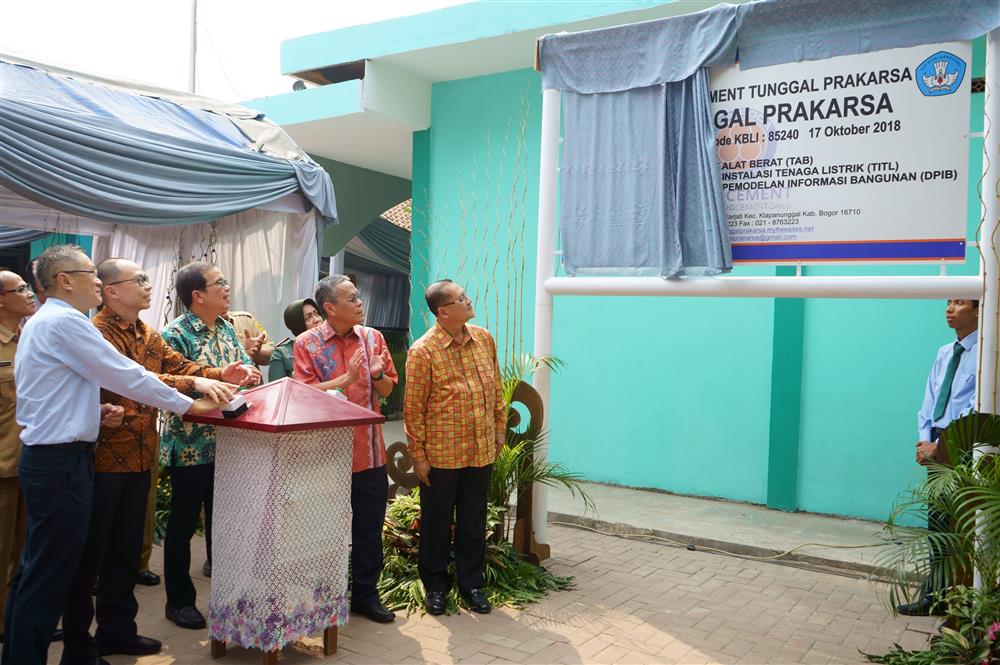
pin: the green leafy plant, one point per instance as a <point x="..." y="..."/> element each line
<point x="974" y="638"/>
<point x="517" y="465"/>
<point x="963" y="489"/>
<point x="509" y="579"/>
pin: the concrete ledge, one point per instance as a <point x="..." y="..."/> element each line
<point x="820" y="542"/>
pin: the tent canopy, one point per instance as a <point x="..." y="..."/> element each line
<point x="122" y="153"/>
<point x="162" y="178"/>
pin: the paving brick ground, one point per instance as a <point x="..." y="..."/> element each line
<point x="634" y="602"/>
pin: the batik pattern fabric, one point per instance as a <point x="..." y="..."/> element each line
<point x="133" y="445"/>
<point x="191" y="444"/>
<point x="321" y="355"/>
<point x="453" y="410"/>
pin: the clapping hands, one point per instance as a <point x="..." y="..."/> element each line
<point x="378" y="363"/>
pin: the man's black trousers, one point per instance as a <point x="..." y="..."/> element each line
<point x="369" y="491"/>
<point x="191" y="487"/>
<point x="114" y="545"/>
<point x="462" y="493"/>
<point x="58" y="487"/>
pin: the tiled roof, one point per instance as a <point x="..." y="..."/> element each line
<point x="400" y="214"/>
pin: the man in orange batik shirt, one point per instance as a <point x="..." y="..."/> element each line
<point x="455" y="420"/>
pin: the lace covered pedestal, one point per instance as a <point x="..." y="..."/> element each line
<point x="281" y="528"/>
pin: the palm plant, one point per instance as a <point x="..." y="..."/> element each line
<point x="964" y="489"/>
<point x="517" y="466"/>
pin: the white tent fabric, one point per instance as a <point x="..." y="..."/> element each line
<point x="270" y="259"/>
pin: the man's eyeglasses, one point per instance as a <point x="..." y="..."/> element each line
<point x="462" y="298"/>
<point x="92" y="271"/>
<point x="24" y="288"/>
<point x="355" y="298"/>
<point x="141" y="279"/>
<point x="222" y="281"/>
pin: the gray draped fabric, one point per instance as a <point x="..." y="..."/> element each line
<point x="11" y="236"/>
<point x="641" y="188"/>
<point x="777" y="31"/>
<point x="639" y="54"/>
<point x="637" y="183"/>
<point x="111" y="155"/>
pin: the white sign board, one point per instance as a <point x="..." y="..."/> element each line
<point x="860" y="158"/>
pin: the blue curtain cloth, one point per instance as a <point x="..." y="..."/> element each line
<point x="641" y="191"/>
<point x="120" y="157"/>
<point x="777" y="31"/>
<point x="11" y="236"/>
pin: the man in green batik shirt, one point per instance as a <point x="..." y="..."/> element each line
<point x="188" y="450"/>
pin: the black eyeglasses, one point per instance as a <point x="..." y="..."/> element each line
<point x="222" y="281"/>
<point x="24" y="288"/>
<point x="92" y="271"/>
<point x="141" y="279"/>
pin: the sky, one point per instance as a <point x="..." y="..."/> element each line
<point x="149" y="40"/>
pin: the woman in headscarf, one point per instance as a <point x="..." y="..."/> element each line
<point x="300" y="316"/>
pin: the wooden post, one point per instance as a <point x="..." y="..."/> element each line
<point x="218" y="649"/>
<point x="330" y="641"/>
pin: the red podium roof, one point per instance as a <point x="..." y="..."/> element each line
<point x="288" y="405"/>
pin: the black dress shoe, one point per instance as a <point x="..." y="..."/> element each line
<point x="207" y="569"/>
<point x="476" y="598"/>
<point x="137" y="645"/>
<point x="920" y="608"/>
<point x="374" y="611"/>
<point x="147" y="578"/>
<point x="434" y="602"/>
<point x="186" y="617"/>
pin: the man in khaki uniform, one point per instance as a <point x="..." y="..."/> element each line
<point x="253" y="335"/>
<point x="16" y="302"/>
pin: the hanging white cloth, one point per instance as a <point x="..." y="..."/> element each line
<point x="270" y="259"/>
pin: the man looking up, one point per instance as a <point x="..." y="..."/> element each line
<point x="342" y="353"/>
<point x="16" y="302"/>
<point x="188" y="449"/>
<point x="950" y="394"/>
<point x="122" y="464"/>
<point x="455" y="419"/>
<point x="62" y="363"/>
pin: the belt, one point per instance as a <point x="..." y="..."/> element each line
<point x="76" y="446"/>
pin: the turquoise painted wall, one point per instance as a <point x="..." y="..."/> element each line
<point x="40" y="245"/>
<point x="677" y="394"/>
<point x="475" y="191"/>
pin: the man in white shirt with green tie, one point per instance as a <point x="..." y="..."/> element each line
<point x="950" y="394"/>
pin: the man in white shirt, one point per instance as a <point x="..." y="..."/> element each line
<point x="62" y="362"/>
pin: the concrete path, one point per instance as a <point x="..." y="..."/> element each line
<point x="634" y="602"/>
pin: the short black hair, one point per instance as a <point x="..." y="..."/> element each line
<point x="191" y="278"/>
<point x="435" y="295"/>
<point x="109" y="270"/>
<point x="55" y="260"/>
